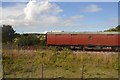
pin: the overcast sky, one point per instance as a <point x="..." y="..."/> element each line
<point x="42" y="16"/>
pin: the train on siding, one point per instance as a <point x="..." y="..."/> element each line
<point x="83" y="40"/>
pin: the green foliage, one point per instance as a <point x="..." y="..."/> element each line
<point x="116" y="29"/>
<point x="27" y="40"/>
<point x="8" y="34"/>
<point x="116" y="65"/>
<point x="54" y="49"/>
<point x="53" y="59"/>
<point x="41" y="53"/>
<point x="60" y="63"/>
<point x="64" y="53"/>
<point x="42" y="42"/>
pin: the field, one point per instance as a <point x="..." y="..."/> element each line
<point x="50" y="63"/>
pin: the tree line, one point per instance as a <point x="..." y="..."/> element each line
<point x="9" y="36"/>
<point x="116" y="29"/>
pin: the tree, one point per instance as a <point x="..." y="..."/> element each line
<point x="28" y="40"/>
<point x="116" y="29"/>
<point x="8" y="33"/>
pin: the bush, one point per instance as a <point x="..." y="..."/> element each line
<point x="27" y="40"/>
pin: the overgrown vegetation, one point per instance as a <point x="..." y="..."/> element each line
<point x="64" y="64"/>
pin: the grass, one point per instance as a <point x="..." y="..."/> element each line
<point x="65" y="63"/>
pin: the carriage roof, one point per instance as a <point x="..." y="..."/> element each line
<point x="83" y="32"/>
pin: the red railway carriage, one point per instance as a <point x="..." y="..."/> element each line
<point x="83" y="39"/>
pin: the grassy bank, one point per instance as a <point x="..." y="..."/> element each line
<point x="65" y="63"/>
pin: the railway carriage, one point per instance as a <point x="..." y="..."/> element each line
<point x="82" y="40"/>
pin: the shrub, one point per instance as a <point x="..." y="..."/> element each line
<point x="27" y="40"/>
